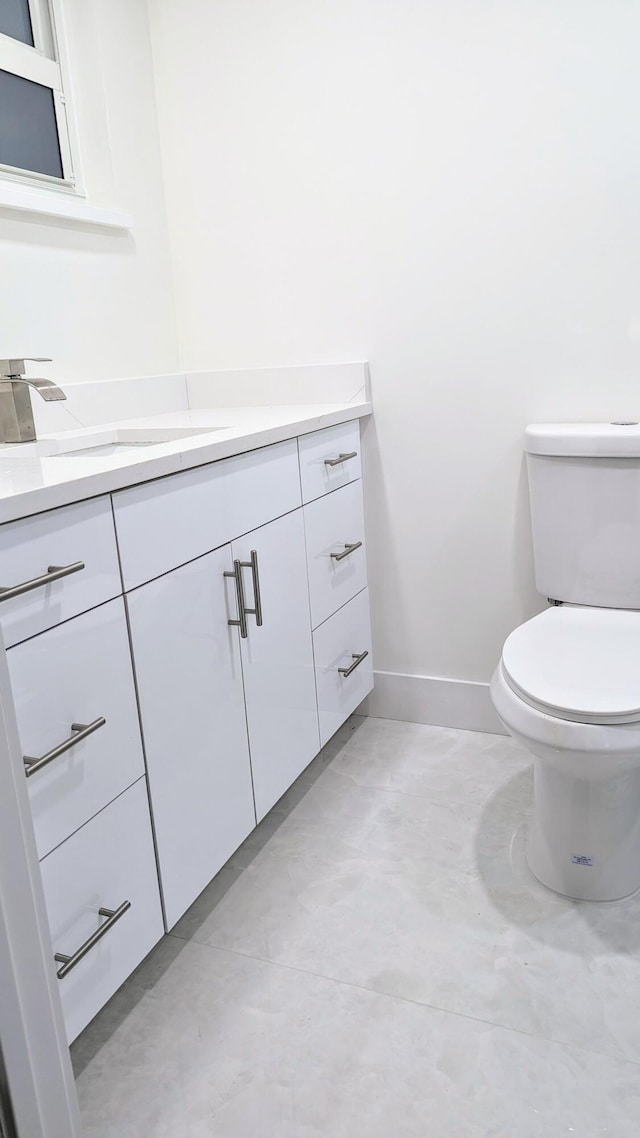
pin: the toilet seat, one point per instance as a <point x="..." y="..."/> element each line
<point x="577" y="663"/>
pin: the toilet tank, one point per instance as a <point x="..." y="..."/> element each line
<point x="584" y="486"/>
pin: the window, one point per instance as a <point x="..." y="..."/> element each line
<point x="34" y="132"/>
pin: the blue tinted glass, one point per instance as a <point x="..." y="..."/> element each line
<point x="15" y="20"/>
<point x="28" y="128"/>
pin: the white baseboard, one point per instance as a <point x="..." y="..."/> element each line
<point x="431" y="699"/>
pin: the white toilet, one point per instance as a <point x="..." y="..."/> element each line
<point x="568" y="683"/>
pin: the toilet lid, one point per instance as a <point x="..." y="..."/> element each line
<point x="578" y="662"/>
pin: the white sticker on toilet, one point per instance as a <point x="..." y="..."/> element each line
<point x="580" y="859"/>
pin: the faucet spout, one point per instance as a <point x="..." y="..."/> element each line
<point x="45" y="388"/>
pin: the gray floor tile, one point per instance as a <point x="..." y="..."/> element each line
<point x="377" y="960"/>
<point x="429" y="900"/>
<point x="207" y="1044"/>
<point x="439" y="763"/>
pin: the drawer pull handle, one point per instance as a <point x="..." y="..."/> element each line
<point x="340" y="458"/>
<point x="349" y="548"/>
<point x="69" y="962"/>
<point x="80" y="731"/>
<point x="53" y="573"/>
<point x="357" y="660"/>
<point x="236" y="573"/>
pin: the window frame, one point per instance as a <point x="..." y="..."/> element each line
<point x="45" y="64"/>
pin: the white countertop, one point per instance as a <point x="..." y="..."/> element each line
<point x="31" y="482"/>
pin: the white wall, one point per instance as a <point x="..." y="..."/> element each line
<point x="450" y="189"/>
<point x="98" y="301"/>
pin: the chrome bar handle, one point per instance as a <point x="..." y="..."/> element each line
<point x="53" y="573"/>
<point x="357" y="660"/>
<point x="69" y="962"/>
<point x="241" y="623"/>
<point x="349" y="548"/>
<point x="340" y="458"/>
<point x="253" y="566"/>
<point x="80" y="731"/>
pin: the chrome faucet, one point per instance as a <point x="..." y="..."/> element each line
<point x="16" y="413"/>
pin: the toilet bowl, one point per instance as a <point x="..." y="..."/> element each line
<point x="568" y="687"/>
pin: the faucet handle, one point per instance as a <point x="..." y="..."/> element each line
<point x="11" y="367"/>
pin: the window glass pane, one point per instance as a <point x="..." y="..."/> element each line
<point x="15" y="20"/>
<point x="28" y="128"/>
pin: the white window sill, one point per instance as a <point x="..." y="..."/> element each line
<point x="50" y="204"/>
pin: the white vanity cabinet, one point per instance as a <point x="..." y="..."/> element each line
<point x="277" y="657"/>
<point x="187" y="661"/>
<point x="193" y="641"/>
<point x="226" y="574"/>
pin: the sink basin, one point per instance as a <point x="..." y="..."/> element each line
<point x="109" y="441"/>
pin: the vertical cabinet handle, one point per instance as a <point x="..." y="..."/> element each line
<point x="80" y="731"/>
<point x="243" y="611"/>
<point x="69" y="962"/>
<point x="257" y="600"/>
<point x="241" y="623"/>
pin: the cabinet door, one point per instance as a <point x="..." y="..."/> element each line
<point x="277" y="659"/>
<point x="189" y="677"/>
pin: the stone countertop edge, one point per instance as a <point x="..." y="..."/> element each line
<point x="25" y="500"/>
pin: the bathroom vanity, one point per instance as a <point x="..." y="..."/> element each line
<point x="180" y="647"/>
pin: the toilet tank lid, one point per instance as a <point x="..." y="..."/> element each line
<point x="581" y="660"/>
<point x="604" y="440"/>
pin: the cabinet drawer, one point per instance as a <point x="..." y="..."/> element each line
<point x="77" y="673"/>
<point x="61" y="538"/>
<point x="333" y="524"/>
<point x="166" y="523"/>
<point x="107" y="862"/>
<point x="329" y="459"/>
<point x="339" y="643"/>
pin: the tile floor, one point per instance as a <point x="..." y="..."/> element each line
<point x="376" y="961"/>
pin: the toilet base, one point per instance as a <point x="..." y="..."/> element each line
<point x="584" y="840"/>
